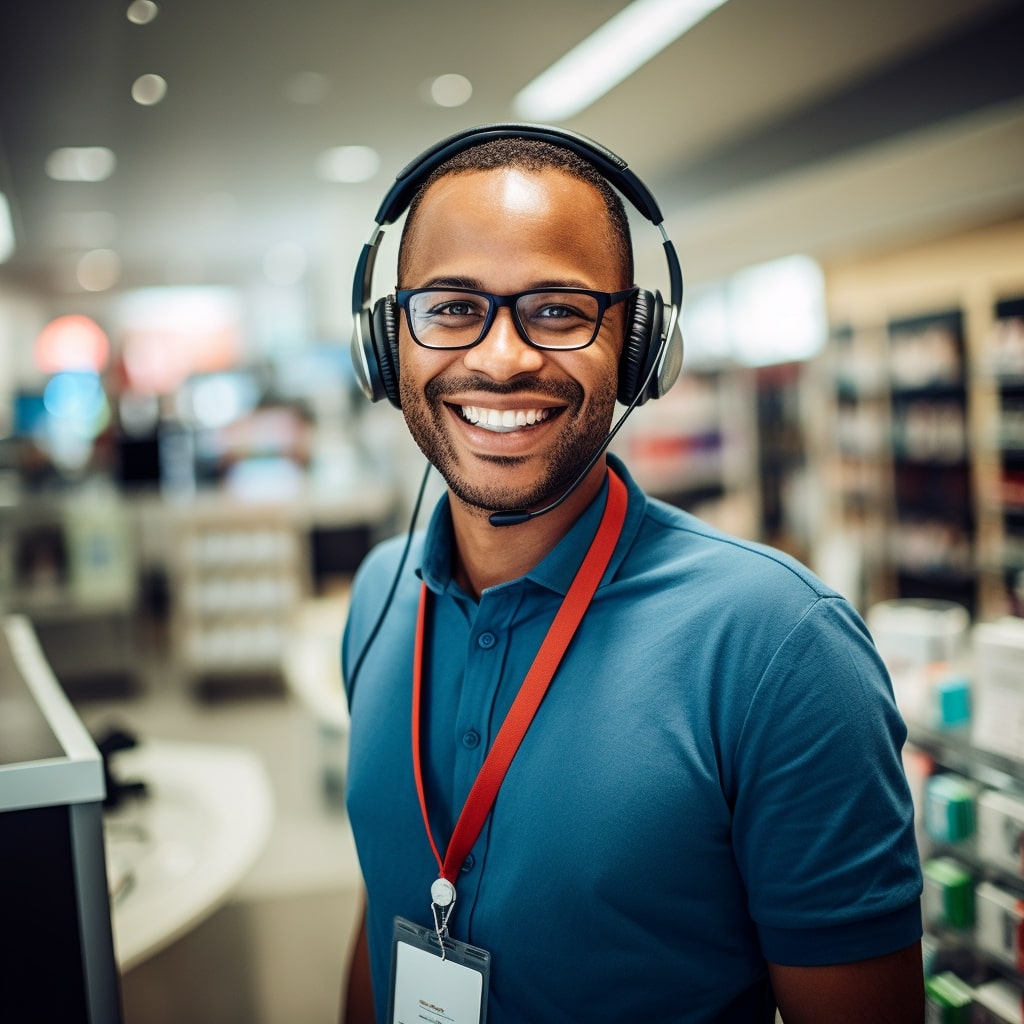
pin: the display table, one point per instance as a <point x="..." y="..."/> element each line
<point x="175" y="855"/>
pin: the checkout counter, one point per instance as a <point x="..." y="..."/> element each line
<point x="88" y="892"/>
<point x="56" y="944"/>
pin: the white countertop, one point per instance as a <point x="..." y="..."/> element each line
<point x="176" y="855"/>
<point x="56" y="761"/>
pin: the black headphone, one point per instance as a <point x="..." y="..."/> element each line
<point x="653" y="352"/>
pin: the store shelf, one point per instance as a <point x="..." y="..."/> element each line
<point x="955" y="750"/>
<point x="697" y="447"/>
<point x="987" y="945"/>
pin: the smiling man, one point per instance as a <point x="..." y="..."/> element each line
<point x="606" y="762"/>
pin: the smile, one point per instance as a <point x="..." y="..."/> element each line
<point x="503" y="421"/>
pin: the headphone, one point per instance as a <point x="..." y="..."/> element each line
<point x="652" y="355"/>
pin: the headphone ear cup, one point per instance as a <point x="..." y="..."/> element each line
<point x="638" y="349"/>
<point x="384" y="334"/>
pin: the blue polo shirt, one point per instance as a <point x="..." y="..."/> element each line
<point x="713" y="780"/>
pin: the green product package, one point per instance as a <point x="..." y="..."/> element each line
<point x="947" y="999"/>
<point x="948" y="894"/>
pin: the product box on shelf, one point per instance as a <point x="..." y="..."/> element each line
<point x="949" y="809"/>
<point x="998" y="711"/>
<point x="948" y="999"/>
<point x="998" y="1002"/>
<point x="1000" y="825"/>
<point x="948" y="898"/>
<point x="999" y="924"/>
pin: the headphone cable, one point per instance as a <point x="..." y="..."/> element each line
<point x="351" y="685"/>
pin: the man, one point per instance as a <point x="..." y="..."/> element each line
<point x="705" y="812"/>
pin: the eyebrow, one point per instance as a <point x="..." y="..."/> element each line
<point x="473" y="283"/>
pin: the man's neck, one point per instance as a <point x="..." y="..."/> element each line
<point x="487" y="555"/>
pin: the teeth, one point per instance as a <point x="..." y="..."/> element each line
<point x="505" y="420"/>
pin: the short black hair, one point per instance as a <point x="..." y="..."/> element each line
<point x="529" y="155"/>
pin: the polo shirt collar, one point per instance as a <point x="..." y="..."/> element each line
<point x="559" y="567"/>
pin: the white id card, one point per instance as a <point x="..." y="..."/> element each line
<point x="426" y="989"/>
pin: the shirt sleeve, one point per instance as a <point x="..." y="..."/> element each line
<point x="823" y="817"/>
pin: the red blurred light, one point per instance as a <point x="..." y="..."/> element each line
<point x="71" y="342"/>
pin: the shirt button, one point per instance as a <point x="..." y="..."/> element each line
<point x="467" y="864"/>
<point x="486" y="641"/>
<point x="471" y="739"/>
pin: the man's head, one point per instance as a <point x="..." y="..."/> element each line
<point x="508" y="422"/>
<point x="532" y="155"/>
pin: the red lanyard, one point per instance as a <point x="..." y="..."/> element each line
<point x="561" y="631"/>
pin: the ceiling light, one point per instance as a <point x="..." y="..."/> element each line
<point x="451" y="90"/>
<point x="6" y="229"/>
<point x="142" y="12"/>
<point x="98" y="270"/>
<point x="148" y="90"/>
<point x="81" y="163"/>
<point x="348" y="165"/>
<point x="608" y="56"/>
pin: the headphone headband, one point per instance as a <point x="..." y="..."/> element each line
<point x="614" y="168"/>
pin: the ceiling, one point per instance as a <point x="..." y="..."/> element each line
<point x="772" y="126"/>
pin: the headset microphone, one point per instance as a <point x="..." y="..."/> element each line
<point x="515" y="517"/>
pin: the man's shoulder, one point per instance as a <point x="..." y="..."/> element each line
<point x="689" y="547"/>
<point x="385" y="560"/>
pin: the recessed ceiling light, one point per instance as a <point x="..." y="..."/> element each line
<point x="348" y="165"/>
<point x="451" y="90"/>
<point x="99" y="269"/>
<point x="142" y="12"/>
<point x="81" y="163"/>
<point x="148" y="90"/>
<point x="608" y="56"/>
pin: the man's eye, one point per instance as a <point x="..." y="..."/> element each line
<point x="557" y="312"/>
<point x="460" y="308"/>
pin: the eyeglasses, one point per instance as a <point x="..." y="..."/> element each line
<point x="562" y="319"/>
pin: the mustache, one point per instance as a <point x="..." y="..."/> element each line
<point x="562" y="390"/>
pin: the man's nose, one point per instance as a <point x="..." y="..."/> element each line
<point x="503" y="353"/>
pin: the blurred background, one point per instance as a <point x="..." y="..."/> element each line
<point x="189" y="477"/>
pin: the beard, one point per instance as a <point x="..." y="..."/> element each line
<point x="584" y="425"/>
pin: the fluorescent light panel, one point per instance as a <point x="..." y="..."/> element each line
<point x="608" y="56"/>
<point x="81" y="163"/>
<point x="6" y="230"/>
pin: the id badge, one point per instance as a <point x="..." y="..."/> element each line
<point x="429" y="989"/>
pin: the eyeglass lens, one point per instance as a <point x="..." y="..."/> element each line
<point x="443" y="318"/>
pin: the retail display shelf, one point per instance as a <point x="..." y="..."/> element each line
<point x="955" y="750"/>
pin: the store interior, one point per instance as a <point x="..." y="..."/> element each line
<point x="189" y="474"/>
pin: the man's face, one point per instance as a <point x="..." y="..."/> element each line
<point x="506" y="231"/>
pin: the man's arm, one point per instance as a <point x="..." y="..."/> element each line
<point x="884" y="990"/>
<point x="358" y="1003"/>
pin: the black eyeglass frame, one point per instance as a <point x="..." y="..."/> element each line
<point x="605" y="300"/>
